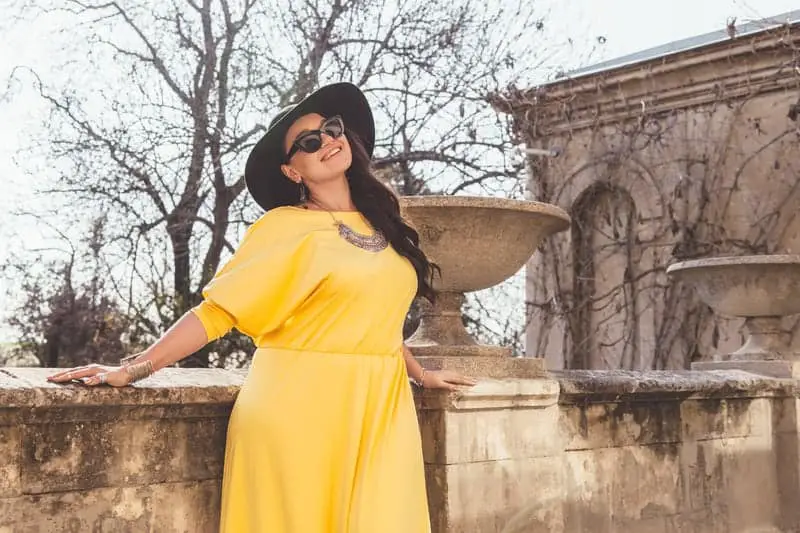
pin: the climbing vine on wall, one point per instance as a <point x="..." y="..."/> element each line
<point x="649" y="189"/>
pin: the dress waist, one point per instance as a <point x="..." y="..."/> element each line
<point x="268" y="348"/>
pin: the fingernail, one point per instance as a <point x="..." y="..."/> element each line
<point x="85" y="381"/>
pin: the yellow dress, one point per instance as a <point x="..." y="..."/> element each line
<point x="323" y="437"/>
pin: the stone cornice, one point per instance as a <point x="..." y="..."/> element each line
<point x="719" y="72"/>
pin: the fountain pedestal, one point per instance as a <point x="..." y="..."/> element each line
<point x="477" y="243"/>
<point x="762" y="289"/>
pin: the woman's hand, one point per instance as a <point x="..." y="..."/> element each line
<point x="446" y="379"/>
<point x="92" y="375"/>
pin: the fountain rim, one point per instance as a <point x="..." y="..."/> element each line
<point x="733" y="261"/>
<point x="485" y="202"/>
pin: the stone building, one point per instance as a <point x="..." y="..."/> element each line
<point x="683" y="151"/>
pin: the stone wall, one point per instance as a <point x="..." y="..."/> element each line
<point x="618" y="452"/>
<point x="145" y="458"/>
<point x="701" y="452"/>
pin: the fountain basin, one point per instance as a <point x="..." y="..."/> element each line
<point x="477" y="243"/>
<point x="762" y="289"/>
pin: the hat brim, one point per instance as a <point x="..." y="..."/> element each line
<point x="268" y="186"/>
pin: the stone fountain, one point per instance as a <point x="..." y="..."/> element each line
<point x="762" y="289"/>
<point x="478" y="243"/>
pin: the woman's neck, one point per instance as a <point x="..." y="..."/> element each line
<point x="332" y="196"/>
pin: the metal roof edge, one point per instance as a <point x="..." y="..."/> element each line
<point x="682" y="45"/>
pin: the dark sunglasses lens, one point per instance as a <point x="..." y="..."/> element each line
<point x="333" y="127"/>
<point x="310" y="143"/>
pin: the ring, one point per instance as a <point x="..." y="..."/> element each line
<point x="103" y="378"/>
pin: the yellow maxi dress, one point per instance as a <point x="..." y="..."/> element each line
<point x="323" y="437"/>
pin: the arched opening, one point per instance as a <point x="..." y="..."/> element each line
<point x="604" y="322"/>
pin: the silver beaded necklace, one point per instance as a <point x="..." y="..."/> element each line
<point x="372" y="243"/>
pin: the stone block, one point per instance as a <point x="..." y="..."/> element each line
<point x="495" y="420"/>
<point x="504" y="496"/>
<point x="606" y="425"/>
<point x="737" y="475"/>
<point x="748" y="417"/>
<point x="706" y="419"/>
<point x="165" y="508"/>
<point x="10" y="441"/>
<point x="749" y="480"/>
<point x="786" y="447"/>
<point x="786" y="415"/>
<point x="90" y="454"/>
<point x="645" y="481"/>
<point x="588" y="483"/>
<point x="701" y="476"/>
<point x="496" y="435"/>
<point x="645" y="525"/>
<point x="710" y="520"/>
<point x="703" y="419"/>
<point x="433" y="432"/>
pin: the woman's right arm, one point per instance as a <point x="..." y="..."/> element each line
<point x="184" y="338"/>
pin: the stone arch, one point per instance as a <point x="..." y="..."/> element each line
<point x="631" y="174"/>
<point x="603" y="320"/>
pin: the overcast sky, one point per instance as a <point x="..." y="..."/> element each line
<point x="628" y="26"/>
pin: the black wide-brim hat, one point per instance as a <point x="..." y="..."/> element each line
<point x="265" y="181"/>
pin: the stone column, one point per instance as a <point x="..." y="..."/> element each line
<point x="487" y="450"/>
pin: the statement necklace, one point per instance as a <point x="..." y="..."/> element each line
<point x="372" y="243"/>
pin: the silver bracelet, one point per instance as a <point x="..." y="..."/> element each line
<point x="421" y="381"/>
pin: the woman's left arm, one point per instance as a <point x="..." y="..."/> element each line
<point x="434" y="379"/>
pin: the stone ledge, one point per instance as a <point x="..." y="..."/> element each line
<point x="28" y="387"/>
<point x="494" y="394"/>
<point x="582" y="386"/>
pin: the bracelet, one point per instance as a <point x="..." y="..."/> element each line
<point x="139" y="371"/>
<point x="421" y="381"/>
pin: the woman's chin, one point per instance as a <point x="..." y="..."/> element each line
<point x="337" y="166"/>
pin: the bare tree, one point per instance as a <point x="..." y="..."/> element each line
<point x="155" y="138"/>
<point x="65" y="316"/>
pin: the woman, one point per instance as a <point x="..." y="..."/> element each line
<point x="323" y="437"/>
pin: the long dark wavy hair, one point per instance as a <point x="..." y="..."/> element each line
<point x="380" y="207"/>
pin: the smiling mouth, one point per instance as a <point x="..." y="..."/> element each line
<point x="332" y="152"/>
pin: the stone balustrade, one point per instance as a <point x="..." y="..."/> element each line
<point x="576" y="451"/>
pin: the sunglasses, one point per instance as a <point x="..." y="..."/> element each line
<point x="311" y="141"/>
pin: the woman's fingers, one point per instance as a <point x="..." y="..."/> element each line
<point x="452" y="377"/>
<point x="75" y="373"/>
<point x="97" y="379"/>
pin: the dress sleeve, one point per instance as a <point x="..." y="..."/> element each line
<point x="267" y="279"/>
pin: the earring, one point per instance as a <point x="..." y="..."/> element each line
<point x="303" y="197"/>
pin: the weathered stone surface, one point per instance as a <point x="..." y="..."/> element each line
<point x="662" y="452"/>
<point x="521" y="490"/>
<point x="487" y="366"/>
<point x="776" y="369"/>
<point x="165" y="508"/>
<point x="496" y="435"/>
<point x="673" y="452"/>
<point x="609" y="385"/>
<point x="171" y="386"/>
<point x="10" y="440"/>
<point x="600" y="425"/>
<point x="144" y="458"/>
<point x="85" y="455"/>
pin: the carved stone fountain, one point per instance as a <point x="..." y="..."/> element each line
<point x="478" y="243"/>
<point x="762" y="289"/>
